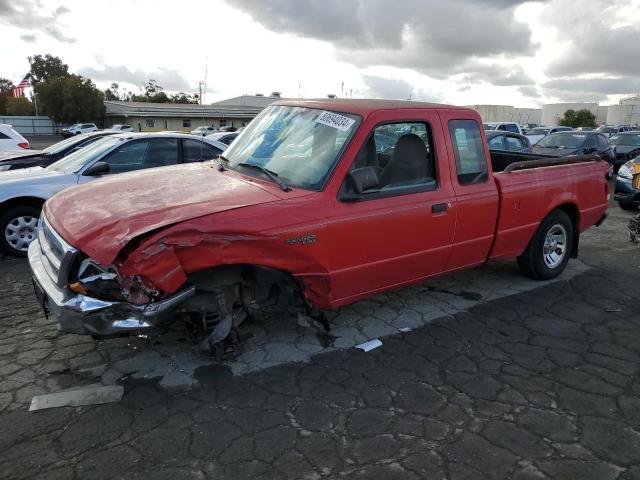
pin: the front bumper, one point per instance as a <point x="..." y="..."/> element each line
<point x="81" y="314"/>
<point x="624" y="191"/>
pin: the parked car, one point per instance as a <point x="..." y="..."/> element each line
<point x="627" y="146"/>
<point x="506" y="126"/>
<point x="625" y="194"/>
<point x="566" y="144"/>
<point x="10" y="140"/>
<point x="51" y="154"/>
<point x="22" y="192"/>
<point x="224" y="137"/>
<point x="203" y="131"/>
<point x="614" y="129"/>
<point x="121" y="127"/>
<point x="536" y="134"/>
<point x="313" y="227"/>
<point x="78" y="128"/>
<point x="228" y="128"/>
<point x="508" y="141"/>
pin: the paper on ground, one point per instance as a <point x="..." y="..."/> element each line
<point x="91" y="395"/>
<point x="370" y="345"/>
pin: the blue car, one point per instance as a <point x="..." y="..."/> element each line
<point x="627" y="197"/>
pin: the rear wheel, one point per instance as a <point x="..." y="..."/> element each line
<point x="549" y="250"/>
<point x="18" y="228"/>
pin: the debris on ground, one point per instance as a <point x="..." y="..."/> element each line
<point x="90" y="395"/>
<point x="370" y="345"/>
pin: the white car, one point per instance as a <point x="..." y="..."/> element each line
<point x="10" y="140"/>
<point x="202" y="131"/>
<point x="121" y="127"/>
<point x="505" y="126"/>
<point x="536" y="134"/>
<point x="78" y="128"/>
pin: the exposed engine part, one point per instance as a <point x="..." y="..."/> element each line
<point x="226" y="295"/>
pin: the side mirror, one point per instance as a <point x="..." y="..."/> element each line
<point x="591" y="150"/>
<point x="98" y="168"/>
<point x="363" y="179"/>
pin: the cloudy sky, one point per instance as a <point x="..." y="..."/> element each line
<point x="522" y="53"/>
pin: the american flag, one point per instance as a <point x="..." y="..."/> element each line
<point x="18" y="90"/>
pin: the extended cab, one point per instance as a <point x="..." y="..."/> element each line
<point x="317" y="204"/>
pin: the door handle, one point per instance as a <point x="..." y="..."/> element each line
<point x="439" y="207"/>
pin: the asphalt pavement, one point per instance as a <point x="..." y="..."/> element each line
<point x="483" y="375"/>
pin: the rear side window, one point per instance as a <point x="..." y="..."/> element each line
<point x="3" y="136"/>
<point x="468" y="150"/>
<point x="195" y="151"/>
<point x="514" y="144"/>
<point x="602" y="141"/>
<point x="512" y="127"/>
<point x="496" y="143"/>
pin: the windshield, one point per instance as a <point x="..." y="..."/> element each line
<point x="562" y="140"/>
<point x="58" y="147"/>
<point x="626" y="140"/>
<point x="76" y="160"/>
<point x="538" y="131"/>
<point x="607" y="129"/>
<point x="300" y="145"/>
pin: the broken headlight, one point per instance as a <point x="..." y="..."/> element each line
<point x="106" y="283"/>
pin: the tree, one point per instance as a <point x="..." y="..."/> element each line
<point x="184" y="98"/>
<point x="6" y="86"/>
<point x="71" y="99"/>
<point x="18" y="106"/>
<point x="113" y="92"/>
<point x="581" y="118"/>
<point x="47" y="67"/>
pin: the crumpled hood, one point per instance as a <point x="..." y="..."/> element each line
<point x="102" y="217"/>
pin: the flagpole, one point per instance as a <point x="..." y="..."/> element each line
<point x="35" y="94"/>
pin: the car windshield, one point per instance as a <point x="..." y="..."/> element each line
<point x="300" y="145"/>
<point x="538" y="131"/>
<point x="76" y="160"/>
<point x="562" y="140"/>
<point x="626" y="140"/>
<point x="607" y="130"/>
<point x="58" y="147"/>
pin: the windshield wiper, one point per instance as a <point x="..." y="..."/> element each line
<point x="272" y="175"/>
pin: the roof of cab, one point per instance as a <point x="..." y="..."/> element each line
<point x="363" y="106"/>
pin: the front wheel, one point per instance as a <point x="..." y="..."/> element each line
<point x="18" y="228"/>
<point x="549" y="250"/>
<point x="628" y="206"/>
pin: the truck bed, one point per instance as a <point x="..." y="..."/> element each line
<point x="530" y="189"/>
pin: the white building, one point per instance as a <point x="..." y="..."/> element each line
<point x="507" y="113"/>
<point x="626" y="112"/>
<point x="553" y="112"/>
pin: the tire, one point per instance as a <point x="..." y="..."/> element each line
<point x="543" y="262"/>
<point x="18" y="228"/>
<point x="628" y="206"/>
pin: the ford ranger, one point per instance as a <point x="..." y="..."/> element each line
<point x="317" y="204"/>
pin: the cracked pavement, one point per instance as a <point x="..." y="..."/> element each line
<point x="499" y="378"/>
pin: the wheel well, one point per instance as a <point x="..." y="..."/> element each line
<point x="571" y="210"/>
<point x="258" y="284"/>
<point x="22" y="201"/>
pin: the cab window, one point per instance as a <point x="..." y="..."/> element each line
<point x="402" y="156"/>
<point x="468" y="150"/>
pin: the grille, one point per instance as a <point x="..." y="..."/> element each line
<point x="57" y="255"/>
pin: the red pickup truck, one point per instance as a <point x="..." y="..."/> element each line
<point x="316" y="204"/>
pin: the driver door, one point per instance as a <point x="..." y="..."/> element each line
<point x="404" y="232"/>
